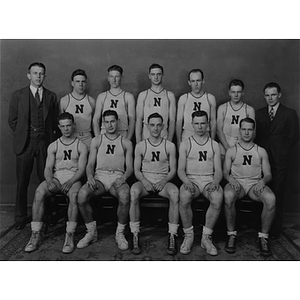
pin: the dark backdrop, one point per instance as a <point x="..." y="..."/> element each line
<point x="256" y="62"/>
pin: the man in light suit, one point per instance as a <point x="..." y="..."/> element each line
<point x="33" y="113"/>
<point x="277" y="132"/>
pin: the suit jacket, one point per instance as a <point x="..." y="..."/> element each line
<point x="278" y="136"/>
<point x="19" y="117"/>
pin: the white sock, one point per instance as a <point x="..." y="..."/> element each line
<point x="207" y="231"/>
<point x="36" y="226"/>
<point x="188" y="230"/>
<point x="173" y="228"/>
<point x="120" y="228"/>
<point x="91" y="226"/>
<point x="134" y="227"/>
<point x="232" y="233"/>
<point x="264" y="235"/>
<point x="71" y="226"/>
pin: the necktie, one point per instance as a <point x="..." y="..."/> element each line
<point x="271" y="114"/>
<point x="37" y="97"/>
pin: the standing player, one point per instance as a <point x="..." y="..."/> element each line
<point x="65" y="166"/>
<point x="247" y="170"/>
<point x="118" y="100"/>
<point x="108" y="168"/>
<point x="229" y="116"/>
<point x="197" y="99"/>
<point x="154" y="167"/>
<point x="81" y="106"/>
<point x="200" y="170"/>
<point x="156" y="99"/>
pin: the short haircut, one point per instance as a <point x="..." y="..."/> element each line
<point x="156" y="66"/>
<point x="110" y="112"/>
<point x="196" y="71"/>
<point x="247" y="120"/>
<point x="236" y="82"/>
<point x="272" y="85"/>
<point x="115" y="68"/>
<point x="78" y="72"/>
<point x="37" y="64"/>
<point x="200" y="113"/>
<point x="66" y="116"/>
<point x="155" y="115"/>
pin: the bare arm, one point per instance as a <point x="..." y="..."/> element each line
<point x="251" y="112"/>
<point x="213" y="121"/>
<point x="179" y="118"/>
<point x="131" y="114"/>
<point x="227" y="168"/>
<point x="220" y="125"/>
<point x="90" y="168"/>
<point x="98" y="114"/>
<point x="139" y="117"/>
<point x="172" y="114"/>
<point x="48" y="172"/>
<point x="63" y="104"/>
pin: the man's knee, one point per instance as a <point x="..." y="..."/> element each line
<point x="174" y="195"/>
<point x="83" y="195"/>
<point x="185" y="198"/>
<point x="216" y="200"/>
<point x="134" y="195"/>
<point x="269" y="201"/>
<point x="229" y="197"/>
<point x="124" y="196"/>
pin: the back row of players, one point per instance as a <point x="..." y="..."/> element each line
<point x="246" y="166"/>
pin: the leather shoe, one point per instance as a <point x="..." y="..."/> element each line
<point x="20" y="224"/>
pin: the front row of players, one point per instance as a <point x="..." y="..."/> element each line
<point x="246" y="168"/>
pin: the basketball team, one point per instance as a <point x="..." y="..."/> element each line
<point x="84" y="148"/>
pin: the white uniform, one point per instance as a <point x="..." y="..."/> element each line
<point x="118" y="104"/>
<point x="200" y="162"/>
<point x="82" y="112"/>
<point x="66" y="160"/>
<point x="110" y="160"/>
<point x="156" y="103"/>
<point x="193" y="104"/>
<point x="246" y="167"/>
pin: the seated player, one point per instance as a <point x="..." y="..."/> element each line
<point x="247" y="170"/>
<point x="108" y="168"/>
<point x="200" y="170"/>
<point x="65" y="166"/>
<point x="154" y="167"/>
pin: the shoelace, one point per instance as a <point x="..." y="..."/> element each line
<point x="121" y="237"/>
<point x="185" y="241"/>
<point x="34" y="237"/>
<point x="231" y="240"/>
<point x="135" y="241"/>
<point x="264" y="244"/>
<point x="172" y="242"/>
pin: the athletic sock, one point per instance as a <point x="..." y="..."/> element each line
<point x="232" y="233"/>
<point x="36" y="226"/>
<point x="120" y="228"/>
<point x="264" y="235"/>
<point x="134" y="227"/>
<point x="188" y="230"/>
<point x="71" y="226"/>
<point x="91" y="226"/>
<point x="207" y="231"/>
<point x="173" y="228"/>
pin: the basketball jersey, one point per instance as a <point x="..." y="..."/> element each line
<point x="118" y="104"/>
<point x="82" y="112"/>
<point x="111" y="154"/>
<point x="231" y="122"/>
<point x="200" y="158"/>
<point x="67" y="155"/>
<point x="155" y="158"/>
<point x="157" y="103"/>
<point x="194" y="104"/>
<point x="247" y="163"/>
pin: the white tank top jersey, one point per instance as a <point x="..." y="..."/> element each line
<point x="194" y="104"/>
<point x="246" y="163"/>
<point x="200" y="158"/>
<point x="157" y="103"/>
<point x="155" y="159"/>
<point x="118" y="104"/>
<point x="231" y="122"/>
<point x="82" y="112"/>
<point x="67" y="156"/>
<point x="111" y="154"/>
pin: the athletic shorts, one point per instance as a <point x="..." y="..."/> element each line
<point x="154" y="177"/>
<point x="247" y="183"/>
<point x="121" y="132"/>
<point x="107" y="178"/>
<point x="201" y="181"/>
<point x="85" y="137"/>
<point x="63" y="175"/>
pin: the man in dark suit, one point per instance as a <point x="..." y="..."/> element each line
<point x="33" y="113"/>
<point x="277" y="132"/>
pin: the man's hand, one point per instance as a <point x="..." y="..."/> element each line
<point x="190" y="187"/>
<point x="258" y="188"/>
<point x="159" y="185"/>
<point x="118" y="182"/>
<point x="148" y="185"/>
<point x="66" y="186"/>
<point x="213" y="187"/>
<point x="91" y="183"/>
<point x="53" y="186"/>
<point x="234" y="184"/>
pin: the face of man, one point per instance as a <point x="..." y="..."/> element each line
<point x="114" y="78"/>
<point x="235" y="93"/>
<point x="200" y="125"/>
<point x="155" y="76"/>
<point x="272" y="96"/>
<point x="110" y="124"/>
<point x="36" y="76"/>
<point x="79" y="84"/>
<point x="155" y="127"/>
<point x="247" y="131"/>
<point x="196" y="82"/>
<point x="66" y="127"/>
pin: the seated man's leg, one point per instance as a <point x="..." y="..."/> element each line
<point x="86" y="211"/>
<point x="186" y="214"/>
<point x="230" y="197"/>
<point x="267" y="197"/>
<point x="171" y="192"/>
<point x="68" y="246"/>
<point x="215" y="198"/>
<point x="123" y="195"/>
<point x="136" y="192"/>
<point x="41" y="194"/>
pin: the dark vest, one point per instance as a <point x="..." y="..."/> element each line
<point x="37" y="127"/>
